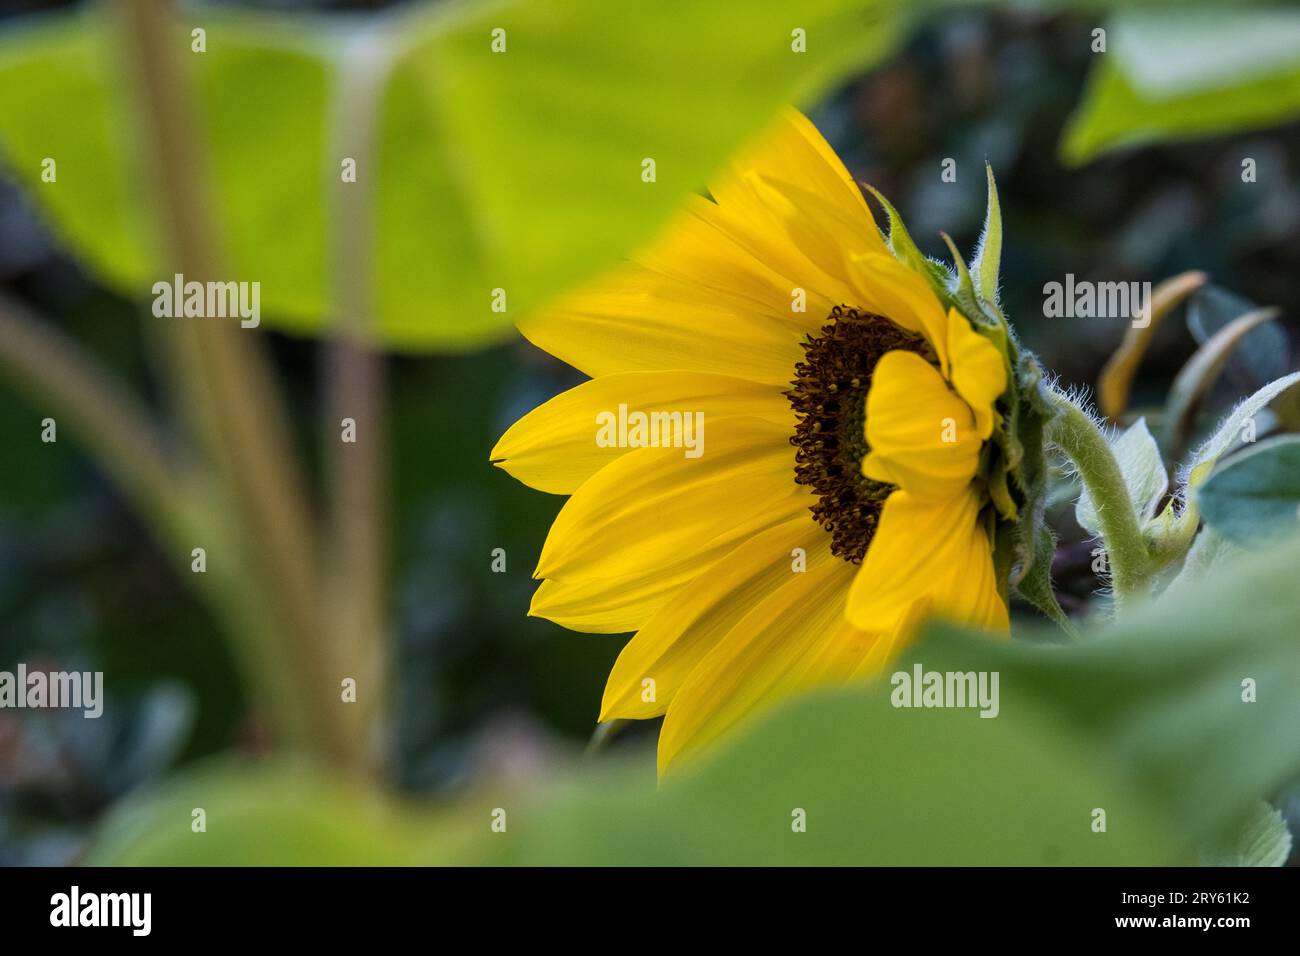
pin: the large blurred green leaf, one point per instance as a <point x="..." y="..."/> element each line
<point x="1162" y="692"/>
<point x="272" y="814"/>
<point x="518" y="170"/>
<point x="264" y="94"/>
<point x="1197" y="73"/>
<point x="1144" y="719"/>
<point x="877" y="785"/>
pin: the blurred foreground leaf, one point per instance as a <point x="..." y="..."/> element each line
<point x="1199" y="73"/>
<point x="518" y="170"/>
<point x="1144" y="720"/>
<point x="273" y="814"/>
<point x="876" y="785"/>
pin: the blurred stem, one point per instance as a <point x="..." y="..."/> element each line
<point x="1077" y="435"/>
<point x="62" y="380"/>
<point x="227" y="395"/>
<point x="357" y="626"/>
<point x="355" y="390"/>
<point x="53" y="370"/>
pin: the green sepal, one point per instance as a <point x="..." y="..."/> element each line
<point x="1004" y="557"/>
<point x="1035" y="583"/>
<point x="1033" y="540"/>
<point x="988" y="256"/>
<point x="905" y="250"/>
<point x="962" y="290"/>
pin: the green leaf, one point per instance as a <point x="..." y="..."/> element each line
<point x="1229" y="431"/>
<point x="1263" y="840"/>
<point x="1144" y="474"/>
<point x="65" y="82"/>
<point x="1200" y="73"/>
<point x="271" y="814"/>
<point x="1255" y="495"/>
<point x="519" y="171"/>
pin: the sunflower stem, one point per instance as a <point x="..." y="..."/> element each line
<point x="1073" y="430"/>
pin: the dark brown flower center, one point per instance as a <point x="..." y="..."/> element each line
<point x="829" y="398"/>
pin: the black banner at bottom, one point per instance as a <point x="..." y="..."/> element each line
<point x="338" y="905"/>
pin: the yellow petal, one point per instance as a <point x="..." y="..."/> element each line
<point x="652" y="521"/>
<point x="845" y="653"/>
<point x="761" y="661"/>
<point x="607" y="605"/>
<point x="793" y="150"/>
<point x="686" y="628"/>
<point x="554" y="447"/>
<point x="824" y="245"/>
<point x="850" y="653"/>
<point x="936" y="551"/>
<point x="922" y="436"/>
<point x="978" y="371"/>
<point x="694" y="251"/>
<point x="884" y="650"/>
<point x="780" y="238"/>
<point x="630" y="597"/>
<point x="695" y="301"/>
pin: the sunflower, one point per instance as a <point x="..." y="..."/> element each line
<point x="835" y="498"/>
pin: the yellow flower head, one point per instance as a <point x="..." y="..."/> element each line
<point x="810" y="487"/>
